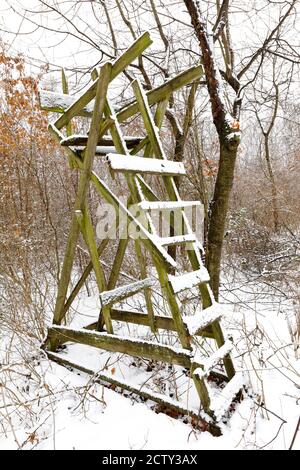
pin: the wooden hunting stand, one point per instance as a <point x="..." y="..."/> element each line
<point x="94" y="104"/>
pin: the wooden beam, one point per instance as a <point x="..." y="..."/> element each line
<point x="164" y="402"/>
<point x="82" y="191"/>
<point x="140" y="318"/>
<point x="134" y="51"/>
<point x="58" y="103"/>
<point x="105" y="141"/>
<point x="124" y="345"/>
<point x="159" y="93"/>
<point x="153" y="166"/>
<point x="121" y="293"/>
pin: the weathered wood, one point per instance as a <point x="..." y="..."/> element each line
<point x="140" y="318"/>
<point x="122" y="344"/>
<point x="118" y="66"/>
<point x="132" y="164"/>
<point x="65" y="88"/>
<point x="81" y="194"/>
<point x="160" y="93"/>
<point x="167" y="205"/>
<point x="147" y="292"/>
<point x="166" y="404"/>
<point x="189" y="280"/>
<point x="121" y="293"/>
<point x="59" y="103"/>
<point x="222" y="402"/>
<point x="201" y="389"/>
<point x="204" y="319"/>
<point x="212" y="361"/>
<point x="105" y="141"/>
<point x="88" y="233"/>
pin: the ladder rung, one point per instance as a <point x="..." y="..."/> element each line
<point x="209" y="363"/>
<point x="113" y="296"/>
<point x="122" y="344"/>
<point x="189" y="280"/>
<point x="154" y="166"/>
<point x="101" y="151"/>
<point x="221" y="403"/>
<point x="179" y="240"/>
<point x="167" y="205"/>
<point x="203" y="319"/>
<point x="105" y="141"/>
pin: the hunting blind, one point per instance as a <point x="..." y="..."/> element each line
<point x="136" y="159"/>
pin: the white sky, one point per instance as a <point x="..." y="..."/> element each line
<point x="248" y="30"/>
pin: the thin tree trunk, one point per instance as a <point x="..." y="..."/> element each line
<point x="219" y="210"/>
<point x="274" y="194"/>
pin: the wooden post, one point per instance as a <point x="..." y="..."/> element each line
<point x="82" y="192"/>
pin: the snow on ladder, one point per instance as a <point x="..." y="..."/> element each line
<point x="105" y="136"/>
<point x="189" y="280"/>
<point x="150" y="166"/>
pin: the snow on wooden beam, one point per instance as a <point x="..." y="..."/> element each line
<point x="122" y="344"/>
<point x="133" y="164"/>
<point x="189" y="280"/>
<point x="207" y="364"/>
<point x="141" y="318"/>
<point x="168" y="205"/>
<point x="179" y="240"/>
<point x="200" y="321"/>
<point x="166" y="402"/>
<point x="120" y="293"/>
<point x="81" y="141"/>
<point x="118" y="66"/>
<point x="59" y="103"/>
<point x="160" y="93"/>
<point x="221" y="403"/>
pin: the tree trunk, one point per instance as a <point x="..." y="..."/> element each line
<point x="273" y="184"/>
<point x="219" y="210"/>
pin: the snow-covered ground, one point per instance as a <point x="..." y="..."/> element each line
<point x="45" y="406"/>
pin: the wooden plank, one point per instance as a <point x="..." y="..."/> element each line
<point x="65" y="88"/>
<point x="124" y="345"/>
<point x="83" y="185"/>
<point x="134" y="51"/>
<point x="221" y="403"/>
<point x="189" y="280"/>
<point x="167" y="205"/>
<point x="159" y="93"/>
<point x="133" y="164"/>
<point x="212" y="361"/>
<point x="165" y="403"/>
<point x="121" y="293"/>
<point x="89" y="236"/>
<point x="105" y="141"/>
<point x="202" y="320"/>
<point x="178" y="240"/>
<point x="140" y="318"/>
<point x="59" y="103"/>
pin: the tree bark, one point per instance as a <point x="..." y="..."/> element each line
<point x="228" y="130"/>
<point x="219" y="210"/>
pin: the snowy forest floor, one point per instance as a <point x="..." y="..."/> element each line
<point x="45" y="406"/>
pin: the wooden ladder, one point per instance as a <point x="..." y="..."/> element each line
<point x="125" y="159"/>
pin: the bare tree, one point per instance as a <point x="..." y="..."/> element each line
<point x="106" y="26"/>
<point x="226" y="118"/>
